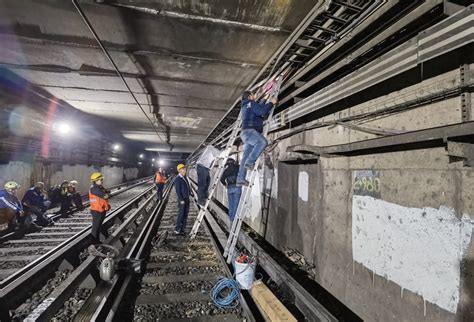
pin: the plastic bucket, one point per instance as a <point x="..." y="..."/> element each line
<point x="245" y="274"/>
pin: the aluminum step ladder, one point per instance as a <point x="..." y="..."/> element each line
<point x="244" y="204"/>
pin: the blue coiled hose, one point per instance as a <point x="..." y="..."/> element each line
<point x="225" y="302"/>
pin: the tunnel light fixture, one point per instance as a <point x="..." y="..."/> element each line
<point x="139" y="163"/>
<point x="63" y="128"/>
<point x="161" y="162"/>
<point x="153" y="160"/>
<point x="116" y="147"/>
<point x="141" y="155"/>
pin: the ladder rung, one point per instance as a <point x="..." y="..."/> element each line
<point x="337" y="19"/>
<point x="306" y="46"/>
<point x="333" y="32"/>
<point x="347" y="5"/>
<point x="315" y="38"/>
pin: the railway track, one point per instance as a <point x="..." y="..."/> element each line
<point x="15" y="254"/>
<point x="173" y="283"/>
<point x="37" y="264"/>
<point x="180" y="275"/>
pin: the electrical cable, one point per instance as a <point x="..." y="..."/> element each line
<point x="225" y="302"/>
<point x="89" y="26"/>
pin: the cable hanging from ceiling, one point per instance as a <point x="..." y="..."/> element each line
<point x="106" y="53"/>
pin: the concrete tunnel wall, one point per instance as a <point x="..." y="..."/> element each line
<point x="403" y="252"/>
<point x="26" y="173"/>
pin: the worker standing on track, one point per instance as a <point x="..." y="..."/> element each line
<point x="99" y="204"/>
<point x="253" y="114"/>
<point x="183" y="193"/>
<point x="160" y="181"/>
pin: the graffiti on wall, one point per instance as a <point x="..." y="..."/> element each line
<point x="420" y="249"/>
<point x="366" y="183"/>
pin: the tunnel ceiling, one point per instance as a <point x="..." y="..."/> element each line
<point x="186" y="61"/>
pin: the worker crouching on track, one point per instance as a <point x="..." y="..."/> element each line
<point x="99" y="204"/>
<point x="75" y="195"/>
<point x="183" y="193"/>
<point x="12" y="209"/>
<point x="160" y="181"/>
<point x="253" y="114"/>
<point x="229" y="179"/>
<point x="35" y="202"/>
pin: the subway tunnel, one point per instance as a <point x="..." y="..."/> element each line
<point x="231" y="160"/>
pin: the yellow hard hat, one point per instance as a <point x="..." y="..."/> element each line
<point x="96" y="176"/>
<point x="180" y="166"/>
<point x="11" y="185"/>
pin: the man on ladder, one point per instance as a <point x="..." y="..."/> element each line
<point x="204" y="164"/>
<point x="253" y="115"/>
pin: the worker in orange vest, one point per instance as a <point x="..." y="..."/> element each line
<point x="160" y="180"/>
<point x="98" y="197"/>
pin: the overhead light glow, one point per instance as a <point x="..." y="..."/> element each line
<point x="141" y="156"/>
<point x="153" y="160"/>
<point x="116" y="147"/>
<point x="64" y="128"/>
<point x="161" y="162"/>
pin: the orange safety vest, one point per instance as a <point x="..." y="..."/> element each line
<point x="159" y="178"/>
<point x="98" y="204"/>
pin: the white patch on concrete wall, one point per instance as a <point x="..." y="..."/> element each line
<point x="420" y="249"/>
<point x="303" y="184"/>
<point x="274" y="192"/>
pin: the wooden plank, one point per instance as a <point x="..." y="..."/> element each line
<point x="180" y="278"/>
<point x="268" y="304"/>
<point x="215" y="318"/>
<point x="24" y="249"/>
<point x="172" y="298"/>
<point x="40" y="240"/>
<point x="181" y="264"/>
<point x="21" y="258"/>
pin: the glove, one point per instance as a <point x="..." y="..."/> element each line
<point x="182" y="202"/>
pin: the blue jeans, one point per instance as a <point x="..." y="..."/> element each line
<point x="233" y="195"/>
<point x="254" y="144"/>
<point x="159" y="190"/>
<point x="203" y="183"/>
<point x="183" y="211"/>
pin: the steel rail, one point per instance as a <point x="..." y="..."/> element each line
<point x="109" y="314"/>
<point x="56" y="216"/>
<point x="33" y="275"/>
<point x="56" y="299"/>
<point x="112" y="293"/>
<point x="303" y="300"/>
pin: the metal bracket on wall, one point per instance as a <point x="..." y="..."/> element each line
<point x="460" y="151"/>
<point x="466" y="106"/>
